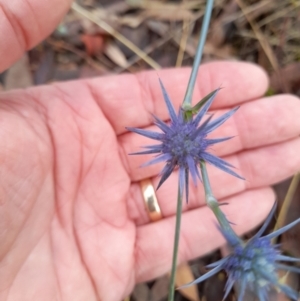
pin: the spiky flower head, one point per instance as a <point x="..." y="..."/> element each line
<point x="184" y="142"/>
<point x="254" y="265"/>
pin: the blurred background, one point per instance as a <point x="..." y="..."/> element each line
<point x="101" y="37"/>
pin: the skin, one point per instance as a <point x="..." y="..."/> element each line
<point x="72" y="220"/>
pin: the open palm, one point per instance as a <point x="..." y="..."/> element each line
<point x="72" y="220"/>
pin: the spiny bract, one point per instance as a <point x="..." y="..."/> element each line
<point x="254" y="265"/>
<point x="184" y="143"/>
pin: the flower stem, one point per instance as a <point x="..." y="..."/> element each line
<point x="187" y="103"/>
<point x="214" y="205"/>
<point x="197" y="60"/>
<point x="175" y="248"/>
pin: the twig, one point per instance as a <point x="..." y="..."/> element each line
<point x="248" y="10"/>
<point x="158" y="43"/>
<point x="77" y="8"/>
<point x="260" y="37"/>
<point x="183" y="41"/>
<point x="278" y="14"/>
<point x="82" y="54"/>
<point x="287" y="203"/>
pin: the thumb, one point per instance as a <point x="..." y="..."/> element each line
<point x="23" y="24"/>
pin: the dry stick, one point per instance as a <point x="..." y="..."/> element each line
<point x="77" y="8"/>
<point x="136" y="58"/>
<point x="63" y="45"/>
<point x="287" y="203"/>
<point x="248" y="10"/>
<point x="157" y="44"/>
<point x="260" y="37"/>
<point x="278" y="14"/>
<point x="183" y="42"/>
<point x="264" y="44"/>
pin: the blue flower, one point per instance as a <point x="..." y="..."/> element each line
<point x="183" y="143"/>
<point x="253" y="265"/>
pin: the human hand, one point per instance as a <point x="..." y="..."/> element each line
<point x="72" y="220"/>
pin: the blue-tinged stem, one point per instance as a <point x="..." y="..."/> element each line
<point x="176" y="244"/>
<point x="214" y="205"/>
<point x="187" y="104"/>
<point x="197" y="60"/>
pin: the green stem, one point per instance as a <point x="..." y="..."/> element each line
<point x="197" y="60"/>
<point x="214" y="205"/>
<point x="176" y="244"/>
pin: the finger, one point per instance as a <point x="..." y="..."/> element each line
<point x="199" y="234"/>
<point x="257" y="123"/>
<point x="25" y="23"/>
<point x="261" y="167"/>
<point x="129" y="100"/>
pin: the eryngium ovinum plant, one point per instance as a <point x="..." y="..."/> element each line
<point x="183" y="143"/>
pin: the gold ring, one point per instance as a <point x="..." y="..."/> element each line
<point x="150" y="199"/>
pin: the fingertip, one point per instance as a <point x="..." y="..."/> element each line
<point x="25" y="23"/>
<point x="132" y="99"/>
<point x="242" y="81"/>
